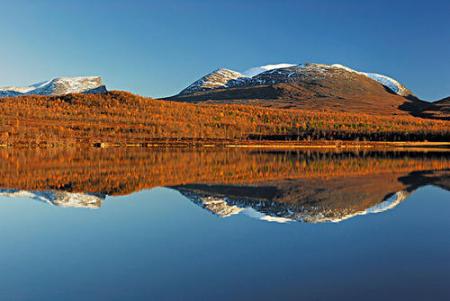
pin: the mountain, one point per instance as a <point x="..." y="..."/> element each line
<point x="306" y="86"/>
<point x="285" y="73"/>
<point x="58" y="86"/>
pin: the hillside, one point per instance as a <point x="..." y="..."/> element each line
<point x="124" y="118"/>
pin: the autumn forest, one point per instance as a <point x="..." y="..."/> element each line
<point x="123" y="118"/>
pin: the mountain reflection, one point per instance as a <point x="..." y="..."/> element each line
<point x="57" y="198"/>
<point x="279" y="186"/>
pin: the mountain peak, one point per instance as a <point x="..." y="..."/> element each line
<point x="214" y="80"/>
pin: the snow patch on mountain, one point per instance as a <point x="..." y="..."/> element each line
<point x="257" y="70"/>
<point x="388" y="82"/>
<point x="253" y="213"/>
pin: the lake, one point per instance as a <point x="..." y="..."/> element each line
<point x="178" y="224"/>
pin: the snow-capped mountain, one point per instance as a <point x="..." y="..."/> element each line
<point x="312" y="87"/>
<point x="58" y="86"/>
<point x="284" y="73"/>
<point x="57" y="198"/>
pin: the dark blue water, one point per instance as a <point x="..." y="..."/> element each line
<point x="158" y="245"/>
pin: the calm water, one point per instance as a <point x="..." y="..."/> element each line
<point x="289" y="226"/>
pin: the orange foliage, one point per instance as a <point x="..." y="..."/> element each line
<point x="122" y="118"/>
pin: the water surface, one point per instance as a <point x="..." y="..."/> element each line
<point x="224" y="225"/>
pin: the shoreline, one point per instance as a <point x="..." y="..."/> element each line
<point x="291" y="145"/>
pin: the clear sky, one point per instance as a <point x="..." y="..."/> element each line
<point x="156" y="48"/>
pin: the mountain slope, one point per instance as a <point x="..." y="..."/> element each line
<point x="314" y="87"/>
<point x="58" y="86"/>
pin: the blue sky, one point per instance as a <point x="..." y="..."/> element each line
<point x="156" y="48"/>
